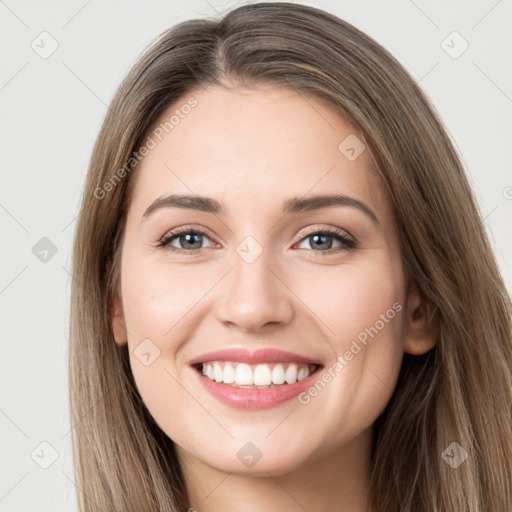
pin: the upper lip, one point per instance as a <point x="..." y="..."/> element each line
<point x="266" y="355"/>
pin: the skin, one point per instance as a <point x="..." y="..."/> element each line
<point x="252" y="149"/>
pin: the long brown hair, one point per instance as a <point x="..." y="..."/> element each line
<point x="459" y="392"/>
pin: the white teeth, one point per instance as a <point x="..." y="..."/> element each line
<point x="217" y="372"/>
<point x="291" y="374"/>
<point x="260" y="375"/>
<point x="303" y="373"/>
<point x="243" y="375"/>
<point x="229" y="374"/>
<point x="278" y="376"/>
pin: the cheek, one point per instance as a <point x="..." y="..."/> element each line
<point x="160" y="308"/>
<point x="160" y="299"/>
<point x="362" y="320"/>
<point x="353" y="303"/>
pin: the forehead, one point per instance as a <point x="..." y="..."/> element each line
<point x="262" y="144"/>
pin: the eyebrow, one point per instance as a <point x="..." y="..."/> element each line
<point x="293" y="205"/>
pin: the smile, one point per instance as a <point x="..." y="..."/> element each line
<point x="255" y="380"/>
<point x="258" y="376"/>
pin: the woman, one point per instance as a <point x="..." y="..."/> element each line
<point x="283" y="295"/>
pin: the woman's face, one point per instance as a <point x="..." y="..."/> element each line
<point x="260" y="267"/>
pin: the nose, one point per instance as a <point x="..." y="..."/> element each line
<point x="255" y="296"/>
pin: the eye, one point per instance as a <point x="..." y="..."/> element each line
<point x="188" y="240"/>
<point x="323" y="240"/>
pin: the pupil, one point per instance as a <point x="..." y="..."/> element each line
<point x="189" y="239"/>
<point x="317" y="237"/>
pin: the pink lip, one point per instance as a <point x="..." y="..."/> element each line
<point x="268" y="355"/>
<point x="247" y="398"/>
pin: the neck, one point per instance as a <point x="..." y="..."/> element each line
<point x="340" y="477"/>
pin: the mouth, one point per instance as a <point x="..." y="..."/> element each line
<point x="257" y="380"/>
<point x="255" y="376"/>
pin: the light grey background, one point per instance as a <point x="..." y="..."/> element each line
<point x="51" y="110"/>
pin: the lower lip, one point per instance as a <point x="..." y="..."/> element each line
<point x="247" y="398"/>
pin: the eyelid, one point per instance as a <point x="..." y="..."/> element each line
<point x="174" y="233"/>
<point x="347" y="241"/>
<point x="331" y="230"/>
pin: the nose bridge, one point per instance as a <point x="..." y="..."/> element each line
<point x="255" y="296"/>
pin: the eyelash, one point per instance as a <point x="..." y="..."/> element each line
<point x="348" y="243"/>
